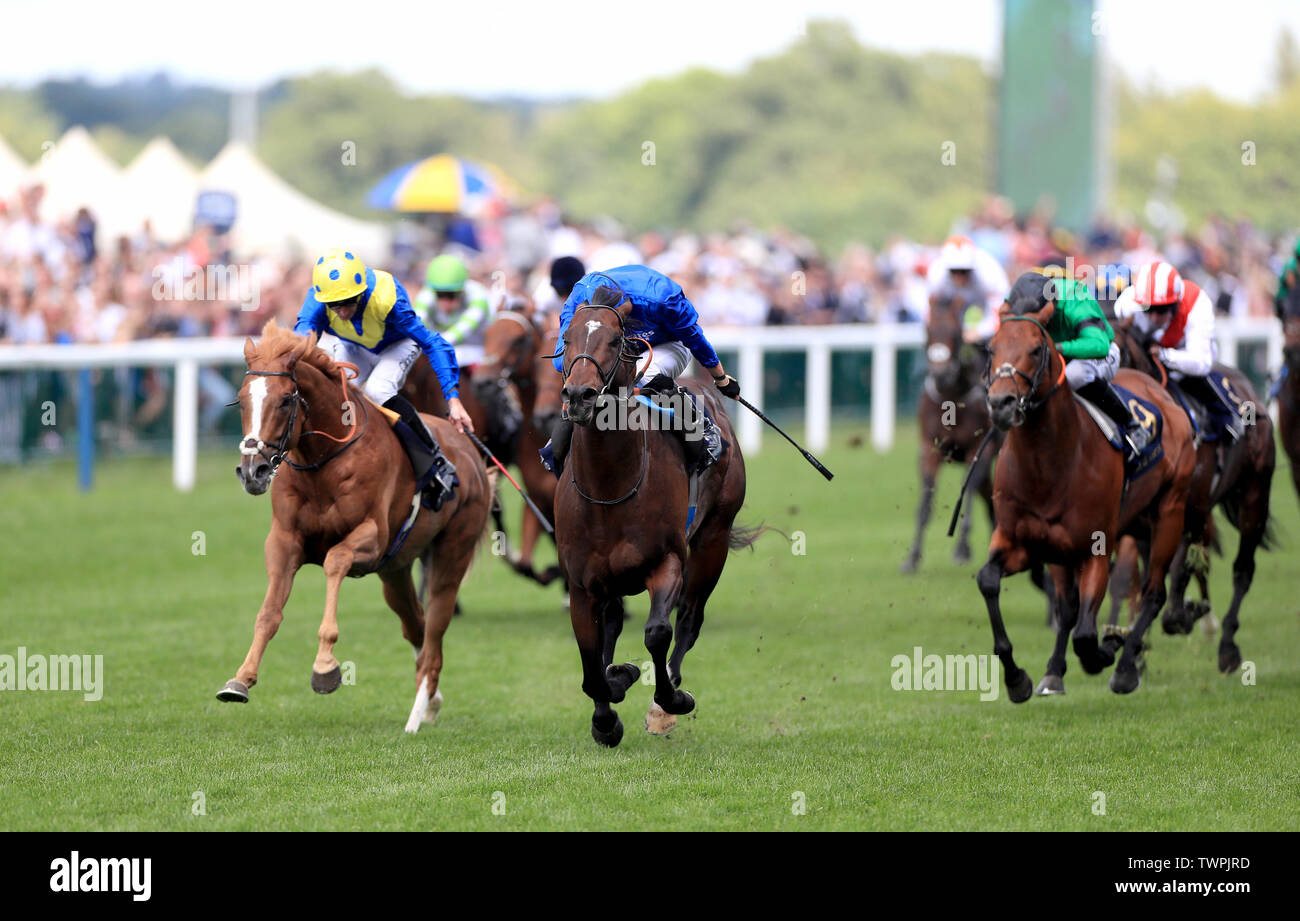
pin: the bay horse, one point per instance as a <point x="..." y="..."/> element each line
<point x="1060" y="487"/>
<point x="342" y="493"/>
<point x="517" y="357"/>
<point x="621" y="523"/>
<point x="952" y="420"/>
<point x="1236" y="477"/>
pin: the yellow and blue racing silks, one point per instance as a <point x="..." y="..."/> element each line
<point x="385" y="317"/>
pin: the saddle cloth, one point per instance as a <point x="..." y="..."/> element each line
<point x="715" y="446"/>
<point x="1148" y="414"/>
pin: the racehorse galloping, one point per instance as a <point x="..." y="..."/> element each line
<point x="953" y="419"/>
<point x="1235" y="476"/>
<point x="516" y="359"/>
<point x="1059" y="486"/>
<point x="341" y="493"/>
<point x="621" y="520"/>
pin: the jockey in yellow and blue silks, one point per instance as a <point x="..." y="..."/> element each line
<point x="364" y="317"/>
<point x="662" y="315"/>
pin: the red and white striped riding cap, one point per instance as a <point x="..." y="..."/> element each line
<point x="1158" y="283"/>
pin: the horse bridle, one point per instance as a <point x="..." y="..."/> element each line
<point x="281" y="446"/>
<point x="624" y="355"/>
<point x="1024" y="406"/>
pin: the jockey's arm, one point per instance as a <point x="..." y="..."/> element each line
<point x="475" y="315"/>
<point x="1092" y="334"/>
<point x="680" y="316"/>
<point x="311" y="317"/>
<point x="1195" y="358"/>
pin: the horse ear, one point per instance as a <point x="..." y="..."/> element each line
<point x="624" y="309"/>
<point x="1005" y="310"/>
<point x="308" y="343"/>
<point x="250" y="349"/>
<point x="1046" y="313"/>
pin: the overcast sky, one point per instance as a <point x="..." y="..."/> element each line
<point x="581" y="48"/>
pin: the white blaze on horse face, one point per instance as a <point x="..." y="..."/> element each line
<point x="592" y="326"/>
<point x="257" y="396"/>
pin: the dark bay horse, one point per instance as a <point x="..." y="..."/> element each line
<point x="517" y="357"/>
<point x="1236" y="477"/>
<point x="1060" y="498"/>
<point x="621" y="522"/>
<point x="952" y="419"/>
<point x="341" y="493"/>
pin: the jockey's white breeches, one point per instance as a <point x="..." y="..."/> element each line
<point x="381" y="373"/>
<point x="670" y="358"/>
<point x="1080" y="371"/>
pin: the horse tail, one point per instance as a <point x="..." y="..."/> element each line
<point x="740" y="536"/>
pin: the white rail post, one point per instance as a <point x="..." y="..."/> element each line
<point x="817" y="396"/>
<point x="883" y="396"/>
<point x="185" y="424"/>
<point x="751" y="371"/>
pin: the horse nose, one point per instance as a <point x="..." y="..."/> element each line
<point x="579" y="395"/>
<point x="1001" y="404"/>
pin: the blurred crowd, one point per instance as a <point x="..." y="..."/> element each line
<point x="60" y="283"/>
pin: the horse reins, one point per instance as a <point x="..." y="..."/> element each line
<point x="281" y="446"/>
<point x="606" y="380"/>
<point x="1008" y="370"/>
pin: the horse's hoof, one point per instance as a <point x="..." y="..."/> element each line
<point x="328" y="682"/>
<point x="1091" y="656"/>
<point x="620" y="678"/>
<point x="435" y="707"/>
<point x="1174" y="625"/>
<point x="608" y="739"/>
<point x="1229" y="659"/>
<point x="658" y="721"/>
<point x="1125" y="680"/>
<point x="961" y="556"/>
<point x="1020" y="687"/>
<point x="682" y="703"/>
<point x="235" y="692"/>
<point x="908" y="566"/>
<point x="1050" y="685"/>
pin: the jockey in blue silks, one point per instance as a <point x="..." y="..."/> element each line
<point x="662" y="315"/>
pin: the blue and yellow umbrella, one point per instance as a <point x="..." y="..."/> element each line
<point x="441" y="185"/>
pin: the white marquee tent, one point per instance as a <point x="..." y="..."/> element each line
<point x="160" y="186"/>
<point x="274" y="217"/>
<point x="76" y="173"/>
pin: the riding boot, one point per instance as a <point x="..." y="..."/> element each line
<point x="1103" y="395"/>
<point x="427" y="459"/>
<point x="1216" y="407"/>
<point x="556" y="450"/>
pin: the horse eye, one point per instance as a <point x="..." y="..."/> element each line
<point x="287" y="399"/>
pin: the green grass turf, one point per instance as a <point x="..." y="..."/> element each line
<point x="792" y="677"/>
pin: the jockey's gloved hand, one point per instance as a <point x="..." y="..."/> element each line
<point x="728" y="385"/>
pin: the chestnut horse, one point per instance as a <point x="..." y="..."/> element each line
<point x="621" y="522"/>
<point x="341" y="495"/>
<point x="952" y="419"/>
<point x="1060" y="487"/>
<point x="517" y="357"/>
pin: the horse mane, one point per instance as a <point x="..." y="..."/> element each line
<point x="278" y="341"/>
